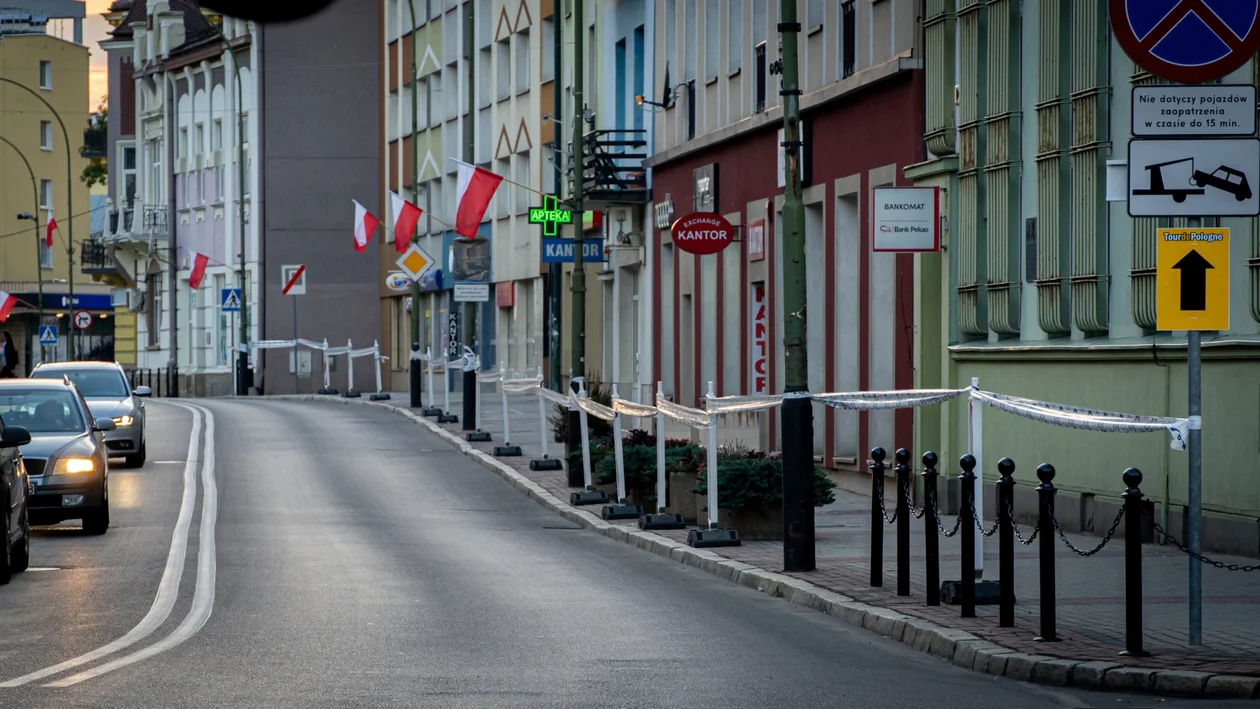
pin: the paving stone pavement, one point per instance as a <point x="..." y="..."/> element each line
<point x="1090" y="590"/>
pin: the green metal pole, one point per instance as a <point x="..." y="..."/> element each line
<point x="575" y="476"/>
<point x="242" y="356"/>
<point x="414" y="370"/>
<point x="39" y="266"/>
<point x="555" y="271"/>
<point x="797" y="411"/>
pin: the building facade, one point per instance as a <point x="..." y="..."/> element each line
<point x="56" y="71"/>
<point x="1048" y="291"/>
<point x="182" y="89"/>
<point x="718" y="120"/>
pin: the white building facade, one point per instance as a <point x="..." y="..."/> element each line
<point x="179" y="189"/>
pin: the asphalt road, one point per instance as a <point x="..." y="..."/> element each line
<point x="342" y="557"/>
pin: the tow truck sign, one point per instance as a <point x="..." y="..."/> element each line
<point x="1194" y="178"/>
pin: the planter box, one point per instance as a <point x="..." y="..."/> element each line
<point x="754" y="523"/>
<point x="682" y="500"/>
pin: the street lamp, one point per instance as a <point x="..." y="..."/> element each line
<point x="69" y="210"/>
<point x="34" y="217"/>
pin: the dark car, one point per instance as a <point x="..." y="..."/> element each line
<point x="66" y="460"/>
<point x="105" y="388"/>
<point x="15" y="543"/>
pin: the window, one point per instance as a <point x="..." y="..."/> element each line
<point x="45" y="135"/>
<point x="637" y="65"/>
<point x="523" y="197"/>
<point x="218" y="183"/>
<point x="216" y="135"/>
<point x="183" y="143"/>
<point x="548" y="49"/>
<point x="759" y="68"/>
<point x="619" y="69"/>
<point x="689" y="32"/>
<point x="129" y="179"/>
<point x="45" y="194"/>
<point x="815" y="12"/>
<point x="691" y="109"/>
<point x="504" y="197"/>
<point x="199" y="139"/>
<point x="157" y="180"/>
<point x="485" y="64"/>
<point x="504" y="71"/>
<point x="522" y="61"/>
<point x="734" y="42"/>
<point x="249" y="168"/>
<point x="45" y="75"/>
<point x="243" y="138"/>
<point x="712" y="37"/>
<point x="671" y="35"/>
<point x="153" y="307"/>
<point x="848" y="39"/>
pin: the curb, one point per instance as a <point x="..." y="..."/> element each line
<point x="956" y="646"/>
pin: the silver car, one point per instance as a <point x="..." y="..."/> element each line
<point x="105" y="387"/>
<point x="66" y="461"/>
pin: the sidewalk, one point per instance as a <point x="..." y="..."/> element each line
<point x="1090" y="602"/>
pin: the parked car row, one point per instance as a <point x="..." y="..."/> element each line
<point x="58" y="430"/>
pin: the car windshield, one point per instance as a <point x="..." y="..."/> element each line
<point x="42" y="411"/>
<point x="92" y="383"/>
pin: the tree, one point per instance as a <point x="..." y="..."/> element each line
<point x="96" y="142"/>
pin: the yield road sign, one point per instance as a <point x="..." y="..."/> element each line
<point x="415" y="262"/>
<point x="294" y="278"/>
<point x="1187" y="41"/>
<point x="1194" y="178"/>
<point x="1192" y="279"/>
<point x="82" y="319"/>
<point x="47" y="334"/>
<point x="230" y="299"/>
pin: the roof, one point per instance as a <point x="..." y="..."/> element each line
<point x="40" y="384"/>
<point x="88" y="364"/>
<point x="197" y="29"/>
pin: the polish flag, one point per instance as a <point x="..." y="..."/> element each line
<point x="7" y="302"/>
<point x="476" y="188"/>
<point x="364" y="226"/>
<point x="198" y="271"/>
<point x="52" y="225"/>
<point x="406" y="216"/>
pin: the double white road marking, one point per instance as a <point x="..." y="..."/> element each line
<point x="168" y="588"/>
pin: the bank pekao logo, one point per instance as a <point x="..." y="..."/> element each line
<point x="397" y="281"/>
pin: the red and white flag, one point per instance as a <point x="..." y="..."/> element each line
<point x="198" y="270"/>
<point x="7" y="302"/>
<point x="406" y="216"/>
<point x="476" y="187"/>
<point x="52" y="226"/>
<point x="364" y="226"/>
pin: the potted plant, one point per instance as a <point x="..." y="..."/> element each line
<point x="750" y="492"/>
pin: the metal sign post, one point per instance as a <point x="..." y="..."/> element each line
<point x="294" y="278"/>
<point x="1192" y="279"/>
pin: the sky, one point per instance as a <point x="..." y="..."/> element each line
<point x="95" y="29"/>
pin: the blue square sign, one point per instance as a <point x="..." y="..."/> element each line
<point x="231" y="300"/>
<point x="47" y="334"/>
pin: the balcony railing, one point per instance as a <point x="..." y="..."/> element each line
<point x="95" y="142"/>
<point x="615" y="173"/>
<point x="137" y="221"/>
<point x="96" y="257"/>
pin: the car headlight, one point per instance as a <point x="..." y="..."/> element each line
<point x="74" y="466"/>
<point x="125" y="420"/>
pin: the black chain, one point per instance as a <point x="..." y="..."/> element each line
<point x="1211" y="562"/>
<point x="1010" y="510"/>
<point x="884" y="510"/>
<point x="910" y="506"/>
<point x="1110" y="533"/>
<point x="975" y="516"/>
<point x="936" y="513"/>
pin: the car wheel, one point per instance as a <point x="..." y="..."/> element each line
<point x="137" y="459"/>
<point x="97" y="521"/>
<point x="6" y="571"/>
<point x="21" y="557"/>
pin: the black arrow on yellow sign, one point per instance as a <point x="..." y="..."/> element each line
<point x="1194" y="270"/>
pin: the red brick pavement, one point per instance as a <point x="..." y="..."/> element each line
<point x="848" y="576"/>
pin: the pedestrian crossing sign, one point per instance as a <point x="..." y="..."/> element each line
<point x="47" y="334"/>
<point x="231" y="300"/>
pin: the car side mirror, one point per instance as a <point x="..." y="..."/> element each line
<point x="143" y="391"/>
<point x="104" y="424"/>
<point x="14" y="436"/>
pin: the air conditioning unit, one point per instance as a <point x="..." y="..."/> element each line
<point x="120" y="298"/>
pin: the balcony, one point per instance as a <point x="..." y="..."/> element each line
<point x="95" y="142"/>
<point x="615" y="173"/>
<point x="97" y="258"/>
<point x="137" y="222"/>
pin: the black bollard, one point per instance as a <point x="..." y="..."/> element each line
<point x="470" y="399"/>
<point x="967" y="480"/>
<point x="1133" y="565"/>
<point x="1006" y="543"/>
<point x="903" y="521"/>
<point x="931" y="542"/>
<point x="877" y="517"/>
<point x="1045" y="527"/>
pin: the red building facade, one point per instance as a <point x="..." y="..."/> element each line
<point x="721" y="321"/>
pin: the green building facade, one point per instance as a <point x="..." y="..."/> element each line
<point x="1045" y="289"/>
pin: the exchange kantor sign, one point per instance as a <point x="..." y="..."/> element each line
<point x="1187" y="41"/>
<point x="550" y="215"/>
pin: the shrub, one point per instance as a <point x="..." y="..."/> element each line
<point x="751" y="482"/>
<point x="597" y="427"/>
<point x="640" y="465"/>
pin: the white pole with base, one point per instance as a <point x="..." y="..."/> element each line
<point x="542" y="413"/>
<point x="428" y="368"/>
<point x="376" y="357"/>
<point x="507" y="433"/>
<point x="586" y="436"/>
<point x="711" y="465"/>
<point x="618" y="457"/>
<point x="660" y="452"/>
<point x="975" y="442"/>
